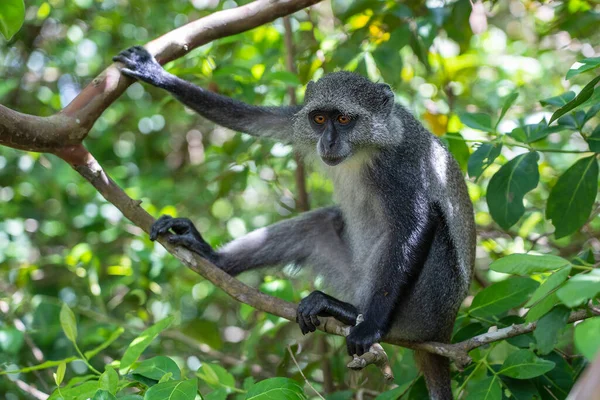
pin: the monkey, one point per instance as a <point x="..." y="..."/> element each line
<point x="399" y="246"/>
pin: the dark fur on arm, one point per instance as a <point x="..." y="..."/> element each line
<point x="273" y="122"/>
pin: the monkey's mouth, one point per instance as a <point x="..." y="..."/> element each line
<point x="332" y="160"/>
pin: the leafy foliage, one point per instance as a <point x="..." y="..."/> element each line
<point x="114" y="316"/>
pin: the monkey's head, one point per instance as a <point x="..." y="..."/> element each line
<point x="343" y="113"/>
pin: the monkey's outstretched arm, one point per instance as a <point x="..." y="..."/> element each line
<point x="275" y="122"/>
<point x="398" y="268"/>
<point x="312" y="237"/>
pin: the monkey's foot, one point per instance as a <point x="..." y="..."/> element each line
<point x="186" y="235"/>
<point x="318" y="304"/>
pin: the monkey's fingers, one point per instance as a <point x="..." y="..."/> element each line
<point x="159" y="227"/>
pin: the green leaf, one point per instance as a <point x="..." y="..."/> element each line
<point x="594" y="140"/>
<point x="502" y="296"/>
<point x="458" y="147"/>
<point x="584" y="65"/>
<point x="550" y="284"/>
<point x="60" y="373"/>
<point x="103" y="395"/>
<point x="509" y="185"/>
<point x="482" y="158"/>
<point x="534" y="132"/>
<point x="547" y="329"/>
<point x="580" y="288"/>
<point x="109" y="380"/>
<point x="156" y="367"/>
<point x="215" y="376"/>
<point x="85" y="391"/>
<point x="560" y="100"/>
<point x="486" y="389"/>
<point x="542" y="307"/>
<point x="581" y="98"/>
<point x="528" y="264"/>
<point x="508" y="101"/>
<point x="139" y="344"/>
<point x="276" y="388"/>
<point x="479" y="121"/>
<point x="523" y="364"/>
<point x="173" y="390"/>
<point x="68" y="323"/>
<point x="285" y="77"/>
<point x="572" y="198"/>
<point x="587" y="339"/>
<point x="12" y="15"/>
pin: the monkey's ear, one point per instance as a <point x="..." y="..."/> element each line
<point x="387" y="98"/>
<point x="310" y="87"/>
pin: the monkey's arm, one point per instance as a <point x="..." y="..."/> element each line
<point x="399" y="267"/>
<point x="275" y="122"/>
<point x="310" y="238"/>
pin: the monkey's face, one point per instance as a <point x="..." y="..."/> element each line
<point x="333" y="128"/>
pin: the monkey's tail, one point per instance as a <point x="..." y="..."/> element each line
<point x="436" y="370"/>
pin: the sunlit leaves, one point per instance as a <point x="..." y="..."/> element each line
<point x="486" y="389"/>
<point x="560" y="100"/>
<point x="59" y="375"/>
<point x="482" y="158"/>
<point x="68" y="323"/>
<point x="216" y="376"/>
<point x="580" y="288"/>
<point x="479" y="121"/>
<point x="139" y="344"/>
<point x="523" y="364"/>
<point x="572" y="198"/>
<point x="276" y="388"/>
<point x="508" y="102"/>
<point x="551" y="283"/>
<point x="502" y="296"/>
<point x="534" y="132"/>
<point x="583" y="65"/>
<point x="587" y="338"/>
<point x="508" y="187"/>
<point x="173" y="390"/>
<point x="581" y="98"/>
<point x="527" y="264"/>
<point x="12" y="14"/>
<point x="156" y="367"/>
<point x="109" y="380"/>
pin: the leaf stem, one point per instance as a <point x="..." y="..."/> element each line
<point x="85" y="360"/>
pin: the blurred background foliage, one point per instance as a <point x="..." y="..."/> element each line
<point x="60" y="242"/>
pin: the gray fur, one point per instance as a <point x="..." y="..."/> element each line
<point x="404" y="224"/>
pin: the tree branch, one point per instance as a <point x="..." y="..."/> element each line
<point x="71" y="125"/>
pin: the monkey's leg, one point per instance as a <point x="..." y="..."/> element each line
<point x="318" y="304"/>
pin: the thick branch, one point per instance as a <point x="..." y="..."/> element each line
<point x="72" y="124"/>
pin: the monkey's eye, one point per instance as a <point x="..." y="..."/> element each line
<point x="343" y="119"/>
<point x="319" y="119"/>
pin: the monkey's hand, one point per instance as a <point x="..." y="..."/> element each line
<point x="362" y="337"/>
<point x="140" y="64"/>
<point x="318" y="304"/>
<point x="186" y="235"/>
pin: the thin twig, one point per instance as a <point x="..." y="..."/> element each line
<point x="302" y="373"/>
